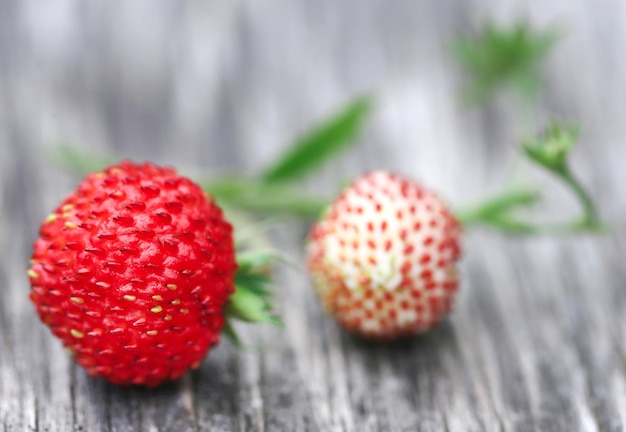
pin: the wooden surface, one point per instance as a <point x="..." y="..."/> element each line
<point x="537" y="341"/>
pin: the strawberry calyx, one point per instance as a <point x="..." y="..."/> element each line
<point x="550" y="151"/>
<point x="252" y="301"/>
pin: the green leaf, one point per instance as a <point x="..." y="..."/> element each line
<point x="80" y="161"/>
<point x="500" y="57"/>
<point x="319" y="144"/>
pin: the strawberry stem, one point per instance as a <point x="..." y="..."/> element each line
<point x="549" y="151"/>
<point x="590" y="217"/>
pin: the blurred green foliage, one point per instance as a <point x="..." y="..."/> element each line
<point x="499" y="57"/>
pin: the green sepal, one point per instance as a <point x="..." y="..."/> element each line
<point x="552" y="148"/>
<point x="252" y="304"/>
<point x="252" y="301"/>
<point x="551" y="151"/>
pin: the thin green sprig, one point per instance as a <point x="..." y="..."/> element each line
<point x="549" y="151"/>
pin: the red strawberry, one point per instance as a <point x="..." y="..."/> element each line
<point x="132" y="272"/>
<point x="383" y="257"/>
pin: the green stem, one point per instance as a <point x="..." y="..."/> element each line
<point x="513" y="226"/>
<point x="251" y="195"/>
<point x="549" y="151"/>
<point x="590" y="215"/>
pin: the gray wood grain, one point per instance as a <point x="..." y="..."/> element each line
<point x="537" y="341"/>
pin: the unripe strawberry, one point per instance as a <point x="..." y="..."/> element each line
<point x="132" y="272"/>
<point x="383" y="257"/>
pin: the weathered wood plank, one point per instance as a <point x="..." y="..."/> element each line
<point x="537" y="341"/>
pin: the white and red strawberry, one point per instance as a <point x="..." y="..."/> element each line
<point x="383" y="257"/>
